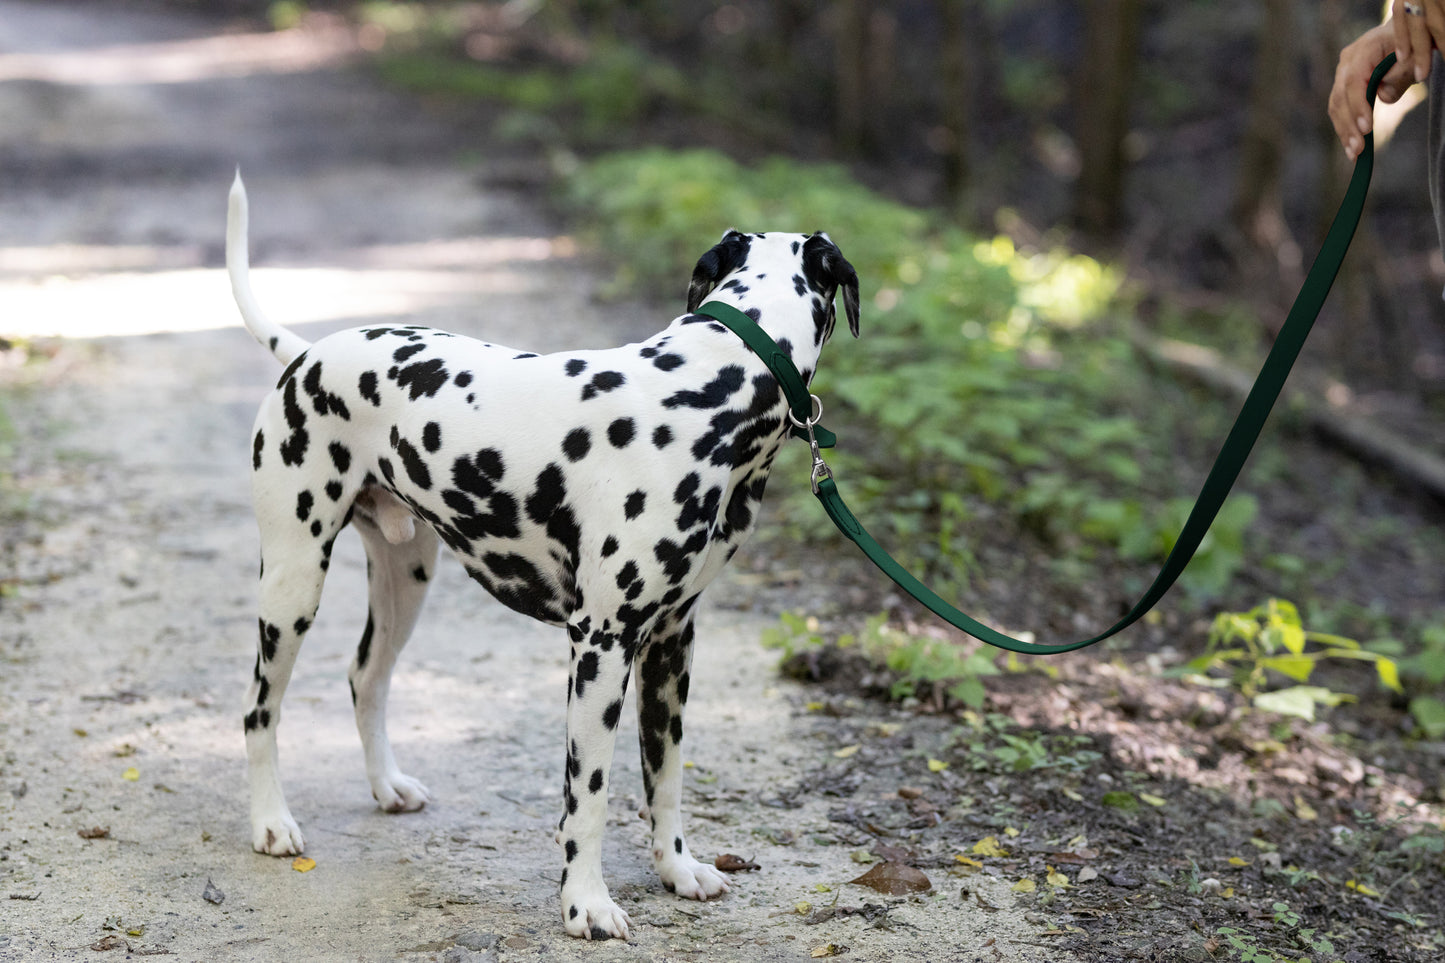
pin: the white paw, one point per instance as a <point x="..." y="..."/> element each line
<point x="593" y="917"/>
<point x="691" y="879"/>
<point x="398" y="793"/>
<point x="277" y="836"/>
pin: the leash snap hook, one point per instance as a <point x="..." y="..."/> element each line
<point x="820" y="468"/>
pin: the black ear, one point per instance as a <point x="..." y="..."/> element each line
<point x="726" y="256"/>
<point x="826" y="265"/>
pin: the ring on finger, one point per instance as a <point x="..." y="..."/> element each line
<point x="1414" y="9"/>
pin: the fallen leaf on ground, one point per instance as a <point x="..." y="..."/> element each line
<point x="1153" y="800"/>
<point x="894" y="879"/>
<point x="1304" y="810"/>
<point x="909" y="792"/>
<point x="937" y="765"/>
<point x="1087" y="875"/>
<point x="988" y="846"/>
<point x="303" y="864"/>
<point x="1056" y="878"/>
<point x="111" y="942"/>
<point x="729" y="863"/>
<point x="1360" y="888"/>
<point x="213" y="895"/>
<point x="828" y="949"/>
<point x="131" y="775"/>
<point x="1024" y="886"/>
<point x="95" y="832"/>
<point x="1238" y="861"/>
<point x="846" y="751"/>
<point x="959" y="857"/>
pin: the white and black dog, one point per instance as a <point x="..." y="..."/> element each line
<point x="597" y="490"/>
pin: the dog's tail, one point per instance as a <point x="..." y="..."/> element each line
<point x="280" y="342"/>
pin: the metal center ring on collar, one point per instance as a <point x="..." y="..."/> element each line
<point x="816" y="417"/>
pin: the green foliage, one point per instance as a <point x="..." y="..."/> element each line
<point x="919" y="663"/>
<point x="1288" y="926"/>
<point x="994" y="743"/>
<point x="1270" y="640"/>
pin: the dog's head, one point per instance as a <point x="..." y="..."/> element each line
<point x="811" y="262"/>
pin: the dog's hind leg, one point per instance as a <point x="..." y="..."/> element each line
<point x="662" y="681"/>
<point x="397" y="574"/>
<point x="293" y="566"/>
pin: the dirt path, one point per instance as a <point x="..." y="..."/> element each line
<point x="126" y="578"/>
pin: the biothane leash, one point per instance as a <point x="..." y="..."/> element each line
<point x="805" y="411"/>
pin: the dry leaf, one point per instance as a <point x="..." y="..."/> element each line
<point x="894" y="879"/>
<point x="95" y="832"/>
<point x="1361" y="888"/>
<point x="1237" y="861"/>
<point x="213" y="895"/>
<point x="1153" y="800"/>
<point x="846" y="751"/>
<point x="988" y="846"/>
<point x="937" y="765"/>
<point x="131" y="775"/>
<point x="828" y="949"/>
<point x="729" y="863"/>
<point x="1024" y="886"/>
<point x="975" y="864"/>
<point x="303" y="864"/>
<point x="1304" y="810"/>
<point x="1087" y="875"/>
<point x="909" y="792"/>
<point x="1056" y="878"/>
<point x="802" y="907"/>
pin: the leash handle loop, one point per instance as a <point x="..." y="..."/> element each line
<point x="1227" y="465"/>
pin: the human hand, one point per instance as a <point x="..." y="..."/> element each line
<point x="1419" y="28"/>
<point x="1350" y="112"/>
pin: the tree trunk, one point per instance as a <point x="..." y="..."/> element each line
<point x="1110" y="55"/>
<point x="848" y="74"/>
<point x="1258" y="208"/>
<point x="957" y="76"/>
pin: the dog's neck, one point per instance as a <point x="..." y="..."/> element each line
<point x="797" y="324"/>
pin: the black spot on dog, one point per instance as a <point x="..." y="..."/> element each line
<point x="677" y="845"/>
<point x="304" y="501"/>
<point x="431" y="437"/>
<point x="366" y="385"/>
<point x="411" y="460"/>
<point x="293" y="449"/>
<point x="713" y="395"/>
<point x="270" y="638"/>
<point x="316" y="528"/>
<point x="423" y="377"/>
<point x="547" y="495"/>
<point x="621" y="432"/>
<point x="322" y="400"/>
<point x="419" y="574"/>
<point x="594" y="784"/>
<point x="302" y="624"/>
<point x="587" y="667"/>
<point x="612" y="714"/>
<point x="462" y="379"/>
<point x="340" y="456"/>
<point x="575" y="367"/>
<point x="603" y="382"/>
<point x="373" y="333"/>
<point x="571" y="849"/>
<point x="406" y="351"/>
<point x="256" y="444"/>
<point x="577" y="444"/>
<point x="609" y="547"/>
<point x="363" y="651"/>
<point x="636" y="502"/>
<point x="669" y="362"/>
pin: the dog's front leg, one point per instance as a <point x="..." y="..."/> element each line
<point x="597" y="684"/>
<point x="662" y="683"/>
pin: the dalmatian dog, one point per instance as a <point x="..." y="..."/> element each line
<point x="599" y="491"/>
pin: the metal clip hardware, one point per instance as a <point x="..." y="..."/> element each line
<point x="820" y="468"/>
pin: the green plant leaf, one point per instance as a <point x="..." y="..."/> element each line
<point x="1429" y="713"/>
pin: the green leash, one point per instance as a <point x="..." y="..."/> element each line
<point x="805" y="410"/>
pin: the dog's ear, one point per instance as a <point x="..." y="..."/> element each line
<point x="826" y="264"/>
<point x="726" y="256"/>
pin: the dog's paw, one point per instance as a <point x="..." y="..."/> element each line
<point x="277" y="836"/>
<point x="691" y="879"/>
<point x="398" y="793"/>
<point x="594" y="918"/>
